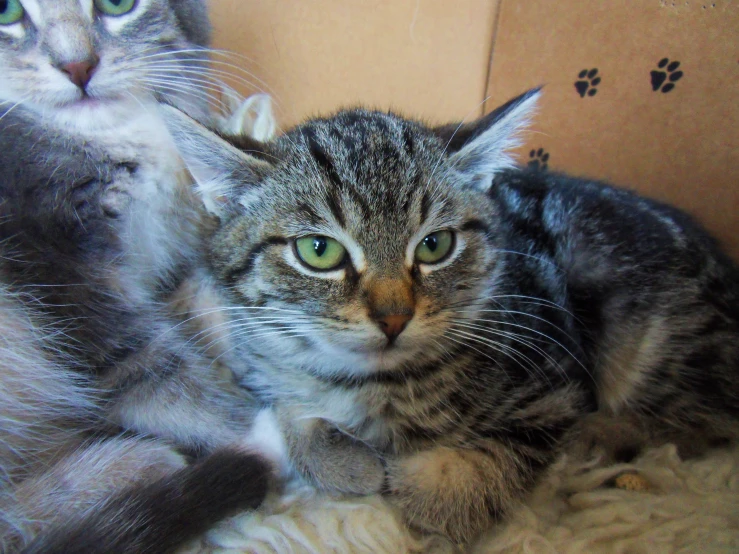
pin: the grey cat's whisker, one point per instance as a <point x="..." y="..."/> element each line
<point x="207" y="51"/>
<point x="233" y="335"/>
<point x="13" y="107"/>
<point x="532" y="300"/>
<point x="212" y="101"/>
<point x="217" y="78"/>
<point x="244" y="307"/>
<point x="177" y="52"/>
<point x="522" y="339"/>
<point x="233" y="325"/>
<point x="532" y="256"/>
<point x="290" y="334"/>
<point x="206" y="84"/>
<point x="237" y="324"/>
<point x="462" y="341"/>
<point x="238" y="69"/>
<point x="540" y="333"/>
<point x="183" y="86"/>
<point x="538" y="318"/>
<point x="190" y="87"/>
<point x="511" y="352"/>
<point x="214" y="79"/>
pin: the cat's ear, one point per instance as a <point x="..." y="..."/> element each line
<point x="480" y="149"/>
<point x="223" y="174"/>
<point x="252" y="116"/>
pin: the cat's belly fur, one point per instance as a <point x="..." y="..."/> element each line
<point x="157" y="219"/>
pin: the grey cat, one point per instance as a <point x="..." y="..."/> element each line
<point x="419" y="317"/>
<point x="103" y="399"/>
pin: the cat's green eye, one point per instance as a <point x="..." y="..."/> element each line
<point x="318" y="252"/>
<point x="11" y="12"/>
<point x="115" y="7"/>
<point x="434" y="247"/>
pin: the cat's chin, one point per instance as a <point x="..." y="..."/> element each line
<point x="88" y="113"/>
<point x="368" y="360"/>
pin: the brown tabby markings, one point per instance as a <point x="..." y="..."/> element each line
<point x="565" y="310"/>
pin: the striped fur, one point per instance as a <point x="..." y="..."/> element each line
<point x="566" y="310"/>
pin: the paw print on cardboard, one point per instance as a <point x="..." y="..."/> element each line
<point x="666" y="75"/>
<point x="538" y="159"/>
<point x="588" y="80"/>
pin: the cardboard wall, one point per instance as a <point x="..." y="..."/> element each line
<point x="424" y="58"/>
<point x="440" y="60"/>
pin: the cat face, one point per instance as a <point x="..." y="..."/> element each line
<point x="87" y="55"/>
<point x="359" y="239"/>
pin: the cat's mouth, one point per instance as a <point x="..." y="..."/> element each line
<point x="375" y="348"/>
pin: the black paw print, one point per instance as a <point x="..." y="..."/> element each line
<point x="587" y="83"/>
<point x="670" y="74"/>
<point x="539" y="159"/>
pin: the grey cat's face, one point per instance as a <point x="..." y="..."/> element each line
<point x="85" y="55"/>
<point x="364" y="235"/>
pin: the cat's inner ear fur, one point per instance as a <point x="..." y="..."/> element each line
<point x="480" y="149"/>
<point x="223" y="174"/>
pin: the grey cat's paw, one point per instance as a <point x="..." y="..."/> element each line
<point x="344" y="465"/>
<point x="441" y="491"/>
<point x="115" y="201"/>
<point x="103" y="197"/>
<point x="116" y="197"/>
<point x="332" y="460"/>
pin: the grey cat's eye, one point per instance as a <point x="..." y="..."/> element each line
<point x="115" y="7"/>
<point x="435" y="247"/>
<point x="319" y="252"/>
<point x="11" y="12"/>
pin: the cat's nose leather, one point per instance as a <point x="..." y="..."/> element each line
<point x="80" y="72"/>
<point x="391" y="304"/>
<point x="393" y="325"/>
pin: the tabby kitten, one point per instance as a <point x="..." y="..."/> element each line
<point x="98" y="224"/>
<point x="420" y="317"/>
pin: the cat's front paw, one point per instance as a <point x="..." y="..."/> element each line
<point x="332" y="460"/>
<point x="445" y="491"/>
<point x="107" y="195"/>
<point x="342" y="464"/>
<point x="116" y="197"/>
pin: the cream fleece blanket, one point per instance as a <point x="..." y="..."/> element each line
<point x="684" y="506"/>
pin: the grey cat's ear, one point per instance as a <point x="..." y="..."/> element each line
<point x="252" y="116"/>
<point x="223" y="174"/>
<point x="480" y="149"/>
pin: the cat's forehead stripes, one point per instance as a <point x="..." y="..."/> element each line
<point x="363" y="173"/>
<point x="356" y="155"/>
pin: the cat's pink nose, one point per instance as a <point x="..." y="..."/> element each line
<point x="81" y="72"/>
<point x="393" y="325"/>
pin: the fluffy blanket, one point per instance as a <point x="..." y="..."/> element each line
<point x="657" y="504"/>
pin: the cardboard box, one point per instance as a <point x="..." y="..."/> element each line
<point x="669" y="129"/>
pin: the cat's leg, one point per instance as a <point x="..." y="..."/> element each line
<point x="461" y="485"/>
<point x="84" y="477"/>
<point x="328" y="458"/>
<point x="128" y="495"/>
<point x="459" y="492"/>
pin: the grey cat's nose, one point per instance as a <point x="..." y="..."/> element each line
<point x="80" y="72"/>
<point x="393" y="325"/>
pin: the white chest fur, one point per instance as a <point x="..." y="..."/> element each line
<point x="158" y="223"/>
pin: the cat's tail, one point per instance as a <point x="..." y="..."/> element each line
<point x="159" y="516"/>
